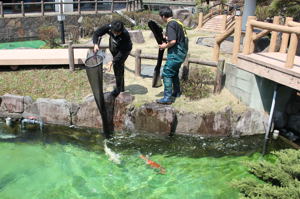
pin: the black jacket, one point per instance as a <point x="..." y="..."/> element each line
<point x="123" y="41"/>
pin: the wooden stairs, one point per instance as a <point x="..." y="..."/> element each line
<point x="214" y="24"/>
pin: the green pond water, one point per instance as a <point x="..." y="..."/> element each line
<point x="69" y="163"/>
<point x="24" y="44"/>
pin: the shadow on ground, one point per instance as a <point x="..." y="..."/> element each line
<point x="136" y="89"/>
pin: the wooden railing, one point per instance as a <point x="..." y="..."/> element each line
<point x="218" y="64"/>
<point x="290" y="30"/>
<point x="218" y="9"/>
<point x="237" y="30"/>
<point x="138" y="63"/>
<point x="131" y="5"/>
<point x="71" y="48"/>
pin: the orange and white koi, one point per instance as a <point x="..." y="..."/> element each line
<point x="153" y="164"/>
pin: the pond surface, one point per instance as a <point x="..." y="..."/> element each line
<point x="69" y="163"/>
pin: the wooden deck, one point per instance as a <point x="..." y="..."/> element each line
<point x="40" y="57"/>
<point x="271" y="66"/>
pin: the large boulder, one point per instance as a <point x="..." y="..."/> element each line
<point x="88" y="114"/>
<point x="122" y="102"/>
<point x="250" y="122"/>
<point x="152" y="118"/>
<point x="52" y="111"/>
<point x="183" y="15"/>
<point x="207" y="124"/>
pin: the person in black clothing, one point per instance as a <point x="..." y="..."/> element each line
<point x="120" y="46"/>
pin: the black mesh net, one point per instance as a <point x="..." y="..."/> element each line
<point x="93" y="61"/>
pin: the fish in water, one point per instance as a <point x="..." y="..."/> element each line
<point x="114" y="157"/>
<point x="153" y="164"/>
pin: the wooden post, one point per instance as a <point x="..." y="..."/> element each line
<point x="61" y="8"/>
<point x="292" y="51"/>
<point x="1" y="9"/>
<point x="185" y="68"/>
<point x="200" y="20"/>
<point x="138" y="61"/>
<point x="71" y="56"/>
<point x="237" y="38"/>
<point x="224" y="21"/>
<point x="274" y="35"/>
<point x="252" y="44"/>
<point x="96" y="6"/>
<point x="219" y="77"/>
<point x="216" y="50"/>
<point x="134" y="5"/>
<point x="248" y="37"/>
<point x="285" y="37"/>
<point x="42" y="8"/>
<point x="79" y="7"/>
<point x="112" y="6"/>
<point x="127" y="6"/>
<point x="22" y="8"/>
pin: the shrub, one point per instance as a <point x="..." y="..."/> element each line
<point x="49" y="35"/>
<point x="89" y="24"/>
<point x="73" y="33"/>
<point x="198" y="84"/>
<point x="278" y="180"/>
<point x="262" y="13"/>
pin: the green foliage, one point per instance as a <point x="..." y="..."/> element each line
<point x="287" y="8"/>
<point x="49" y="35"/>
<point x="89" y="24"/>
<point x="262" y="13"/>
<point x="73" y="33"/>
<point x="278" y="180"/>
<point x="197" y="86"/>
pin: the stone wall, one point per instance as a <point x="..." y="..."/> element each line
<point x="14" y="29"/>
<point x="149" y="118"/>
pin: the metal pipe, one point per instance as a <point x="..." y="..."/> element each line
<point x="32" y="121"/>
<point x="270" y="120"/>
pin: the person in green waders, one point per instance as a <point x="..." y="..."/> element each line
<point x="177" y="45"/>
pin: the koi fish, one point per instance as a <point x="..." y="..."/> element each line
<point x="114" y="157"/>
<point x="153" y="164"/>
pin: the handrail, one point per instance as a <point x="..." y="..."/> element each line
<point x="226" y="23"/>
<point x="131" y="5"/>
<point x="294" y="31"/>
<point x="218" y="64"/>
<point x="236" y="29"/>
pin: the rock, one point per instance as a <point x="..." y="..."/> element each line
<point x="88" y="114"/>
<point x="280" y="119"/>
<point x="52" y="111"/>
<point x="121" y="105"/>
<point x="136" y="36"/>
<point x="294" y="123"/>
<point x="251" y="122"/>
<point x="183" y="15"/>
<point x="14" y="103"/>
<point x="153" y="118"/>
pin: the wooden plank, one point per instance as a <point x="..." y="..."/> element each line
<point x="290" y="78"/>
<point x="40" y="56"/>
<point x="275" y="61"/>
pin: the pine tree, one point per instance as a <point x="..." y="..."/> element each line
<point x="279" y="179"/>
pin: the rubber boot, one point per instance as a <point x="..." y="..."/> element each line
<point x="119" y="86"/>
<point x="167" y="99"/>
<point x="176" y="87"/>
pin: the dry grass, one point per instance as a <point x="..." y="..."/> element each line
<point x="60" y="83"/>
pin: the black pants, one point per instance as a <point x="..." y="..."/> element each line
<point x="119" y="59"/>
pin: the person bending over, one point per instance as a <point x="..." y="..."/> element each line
<point x="120" y="46"/>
